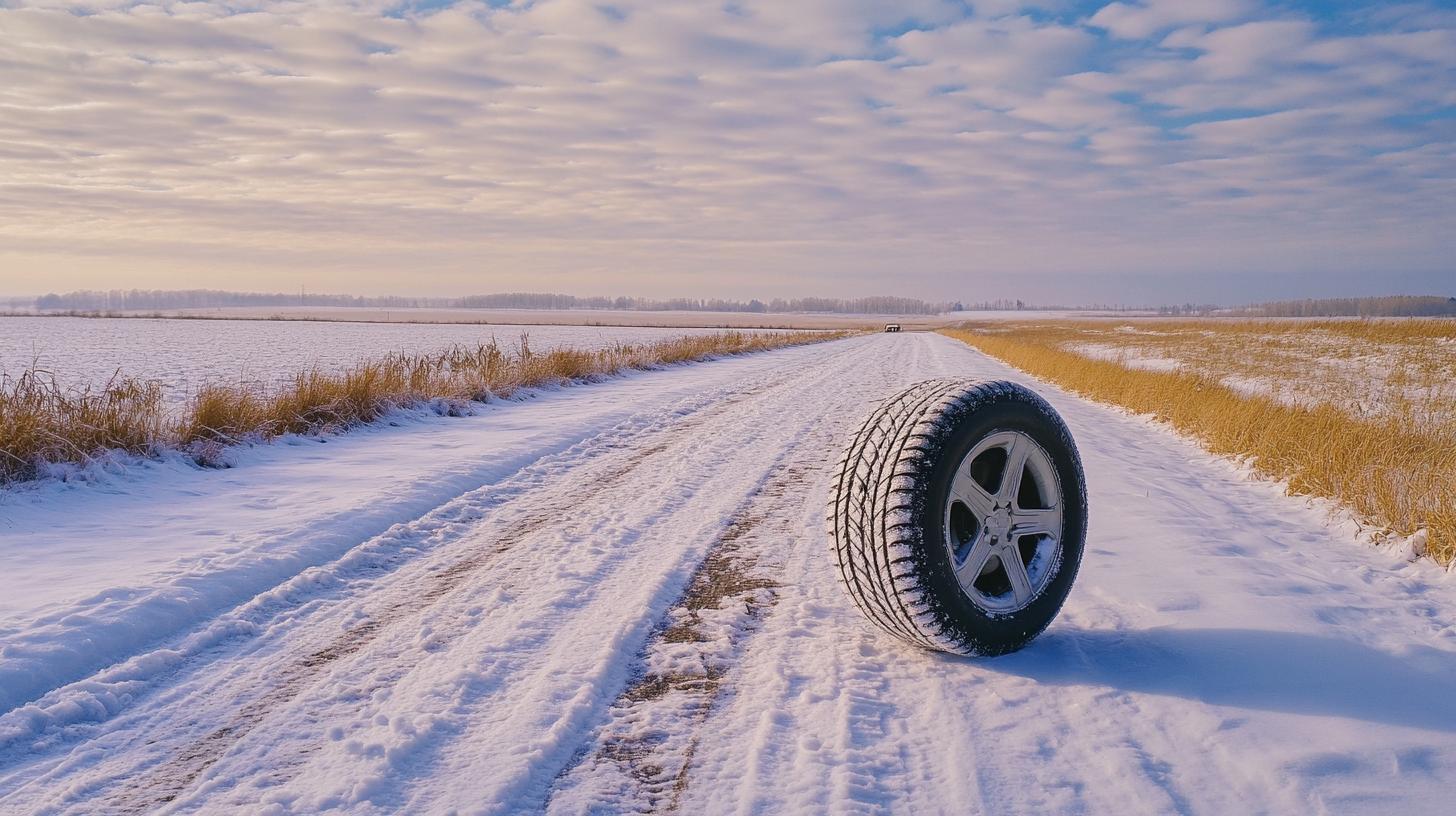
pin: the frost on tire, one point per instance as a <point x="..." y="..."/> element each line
<point x="958" y="515"/>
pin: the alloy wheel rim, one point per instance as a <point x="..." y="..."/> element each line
<point x="1004" y="522"/>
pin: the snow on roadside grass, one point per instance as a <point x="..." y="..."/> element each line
<point x="1131" y="358"/>
<point x="43" y="424"/>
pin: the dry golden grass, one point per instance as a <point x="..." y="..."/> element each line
<point x="1394" y="465"/>
<point x="42" y="423"/>
<point x="1400" y="371"/>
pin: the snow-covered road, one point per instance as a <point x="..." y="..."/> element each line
<point x="619" y="598"/>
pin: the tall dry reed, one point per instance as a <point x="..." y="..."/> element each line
<point x="41" y="422"/>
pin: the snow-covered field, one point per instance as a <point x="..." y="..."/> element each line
<point x="1129" y="357"/>
<point x="570" y="317"/>
<point x="1411" y="376"/>
<point x="184" y="354"/>
<point x="619" y="598"/>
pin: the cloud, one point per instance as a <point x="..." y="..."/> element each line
<point x="1141" y="20"/>
<point x="676" y="147"/>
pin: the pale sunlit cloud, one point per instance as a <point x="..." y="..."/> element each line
<point x="1217" y="149"/>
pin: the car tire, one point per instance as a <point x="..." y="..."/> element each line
<point x="933" y="542"/>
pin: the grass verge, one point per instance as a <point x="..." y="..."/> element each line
<point x="44" y="424"/>
<point x="1398" y="476"/>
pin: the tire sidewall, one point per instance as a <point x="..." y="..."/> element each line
<point x="981" y="632"/>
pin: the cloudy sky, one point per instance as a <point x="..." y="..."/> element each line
<point x="1145" y="151"/>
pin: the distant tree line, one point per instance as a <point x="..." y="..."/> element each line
<point x="151" y="300"/>
<point x="1014" y="305"/>
<point x="998" y="305"/>
<point x="865" y="305"/>
<point x="1188" y="309"/>
<point x="1390" y="306"/>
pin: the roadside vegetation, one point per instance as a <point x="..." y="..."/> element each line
<point x="43" y="423"/>
<point x="1362" y="412"/>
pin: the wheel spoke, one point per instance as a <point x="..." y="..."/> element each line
<point x="1039" y="521"/>
<point x="972" y="495"/>
<point x="1016" y="456"/>
<point x="1016" y="572"/>
<point x="970" y="569"/>
<point x="1002" y="524"/>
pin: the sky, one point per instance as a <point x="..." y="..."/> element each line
<point x="1153" y="151"/>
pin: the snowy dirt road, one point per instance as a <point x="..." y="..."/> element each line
<point x="640" y="614"/>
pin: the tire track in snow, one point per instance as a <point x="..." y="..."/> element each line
<point x="804" y="436"/>
<point x="163" y="784"/>
<point x="606" y="461"/>
<point x="640" y="759"/>
<point x="682" y="670"/>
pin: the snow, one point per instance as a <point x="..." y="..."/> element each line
<point x="1128" y="357"/>
<point x="1263" y="387"/>
<point x="505" y="613"/>
<point x="184" y="354"/>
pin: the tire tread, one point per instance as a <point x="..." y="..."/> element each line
<point x="877" y="497"/>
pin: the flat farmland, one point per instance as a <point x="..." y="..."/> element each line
<point x="621" y="597"/>
<point x="184" y="355"/>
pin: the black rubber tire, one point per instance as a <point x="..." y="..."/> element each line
<point x="887" y="513"/>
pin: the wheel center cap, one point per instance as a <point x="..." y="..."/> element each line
<point x="998" y="524"/>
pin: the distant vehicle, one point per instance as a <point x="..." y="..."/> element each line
<point x="892" y="327"/>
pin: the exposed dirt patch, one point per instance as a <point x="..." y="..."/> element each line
<point x="707" y="632"/>
<point x="723" y="576"/>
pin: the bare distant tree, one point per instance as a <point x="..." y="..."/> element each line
<point x="149" y="300"/>
<point x="1389" y="306"/>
